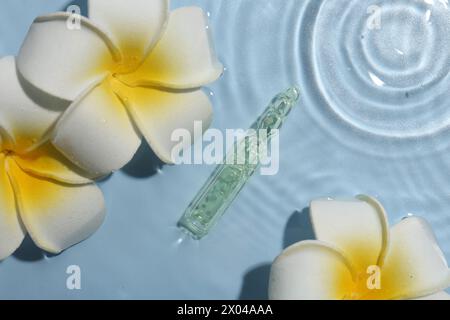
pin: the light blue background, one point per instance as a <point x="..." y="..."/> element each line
<point x="139" y="254"/>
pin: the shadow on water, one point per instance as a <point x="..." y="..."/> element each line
<point x="256" y="281"/>
<point x="298" y="228"/>
<point x="144" y="164"/>
<point x="28" y="251"/>
<point x="255" y="285"/>
<point x="82" y="4"/>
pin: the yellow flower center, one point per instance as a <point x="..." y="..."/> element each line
<point x="36" y="190"/>
<point x="127" y="66"/>
<point x="6" y="152"/>
<point x="116" y="69"/>
<point x="366" y="287"/>
<point x="372" y="282"/>
<point x="9" y="153"/>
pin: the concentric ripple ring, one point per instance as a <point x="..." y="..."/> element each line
<point x="376" y="73"/>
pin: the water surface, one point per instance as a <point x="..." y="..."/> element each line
<point x="373" y="119"/>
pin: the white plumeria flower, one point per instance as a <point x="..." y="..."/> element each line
<point x="355" y="256"/>
<point x="41" y="192"/>
<point x="133" y="69"/>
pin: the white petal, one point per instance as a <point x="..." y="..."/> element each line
<point x="65" y="62"/>
<point x="184" y="57"/>
<point x="96" y="132"/>
<point x="11" y="229"/>
<point x="415" y="266"/>
<point x="159" y="113"/>
<point x="57" y="216"/>
<point x="437" y="296"/>
<point x="357" y="227"/>
<point x="25" y="119"/>
<point x="134" y="25"/>
<point x="310" y="270"/>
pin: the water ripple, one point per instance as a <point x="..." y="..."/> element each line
<point x="373" y="118"/>
<point x="378" y="78"/>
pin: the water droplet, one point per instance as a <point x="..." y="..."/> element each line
<point x="408" y="215"/>
<point x="428" y="16"/>
<point x="400" y="52"/>
<point x="376" y="80"/>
